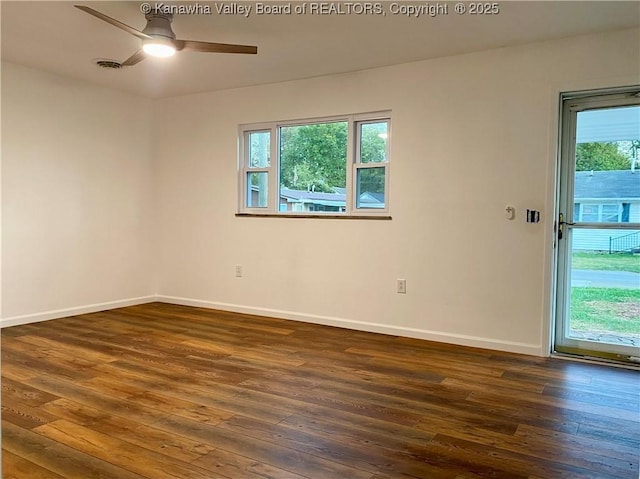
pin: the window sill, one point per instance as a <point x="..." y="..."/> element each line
<point x="324" y="217"/>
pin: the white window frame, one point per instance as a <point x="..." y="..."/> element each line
<point x="357" y="165"/>
<point x="243" y="156"/>
<point x="352" y="166"/>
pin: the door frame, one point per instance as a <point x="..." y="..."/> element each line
<point x="570" y="105"/>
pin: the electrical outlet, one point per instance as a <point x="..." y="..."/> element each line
<point x="238" y="271"/>
<point x="401" y="286"/>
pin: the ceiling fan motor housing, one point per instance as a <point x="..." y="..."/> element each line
<point x="159" y="25"/>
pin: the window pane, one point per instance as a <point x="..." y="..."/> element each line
<point x="604" y="289"/>
<point x="589" y="213"/>
<point x="610" y="213"/>
<point x="257" y="190"/>
<point x="370" y="188"/>
<point x="259" y="149"/>
<point x="373" y="142"/>
<point x="313" y="167"/>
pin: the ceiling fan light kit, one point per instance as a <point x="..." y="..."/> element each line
<point x="158" y="39"/>
<point x="162" y="41"/>
<point x="158" y="48"/>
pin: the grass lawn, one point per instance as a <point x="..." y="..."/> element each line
<point x="606" y="262"/>
<point x="614" y="310"/>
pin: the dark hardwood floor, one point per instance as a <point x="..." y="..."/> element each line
<point x="161" y="391"/>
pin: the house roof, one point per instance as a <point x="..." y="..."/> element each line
<point x="623" y="184"/>
<point x="310" y="195"/>
<point x="371" y="197"/>
<point x="329" y="199"/>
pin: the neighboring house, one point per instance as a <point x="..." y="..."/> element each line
<point x="606" y="197"/>
<point x="300" y="201"/>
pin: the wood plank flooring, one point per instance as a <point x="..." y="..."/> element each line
<point x="162" y="391"/>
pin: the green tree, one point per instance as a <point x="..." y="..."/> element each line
<point x="313" y="156"/>
<point x="600" y="156"/>
<point x="374" y="143"/>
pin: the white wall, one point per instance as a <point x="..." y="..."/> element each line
<point x="471" y="135"/>
<point x="76" y="196"/>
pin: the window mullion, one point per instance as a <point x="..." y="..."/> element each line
<point x="364" y="166"/>
<point x="274" y="174"/>
<point x="352" y="155"/>
<point x="242" y="168"/>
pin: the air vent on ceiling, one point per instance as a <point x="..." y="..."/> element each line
<point x="109" y="64"/>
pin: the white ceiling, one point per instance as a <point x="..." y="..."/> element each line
<point x="53" y="36"/>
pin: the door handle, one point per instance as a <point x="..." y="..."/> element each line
<point x="561" y="223"/>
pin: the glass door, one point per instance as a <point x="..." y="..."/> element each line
<point x="598" y="278"/>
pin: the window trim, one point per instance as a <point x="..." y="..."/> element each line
<point x="354" y="122"/>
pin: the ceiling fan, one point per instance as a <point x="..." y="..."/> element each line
<point x="159" y="40"/>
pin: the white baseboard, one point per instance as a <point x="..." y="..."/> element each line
<point x="62" y="313"/>
<point x="459" y="339"/>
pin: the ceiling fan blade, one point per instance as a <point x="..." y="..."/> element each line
<point x="195" y="46"/>
<point x="137" y="57"/>
<point x="113" y="21"/>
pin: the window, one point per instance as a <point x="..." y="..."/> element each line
<point x="601" y="213"/>
<point x="610" y="214"/>
<point x="370" y="170"/>
<point x="257" y="174"/>
<point x="334" y="166"/>
<point x="589" y="214"/>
